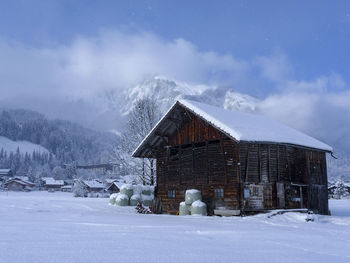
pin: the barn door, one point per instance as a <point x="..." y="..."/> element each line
<point x="280" y="195"/>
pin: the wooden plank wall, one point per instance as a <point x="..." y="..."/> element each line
<point x="205" y="159"/>
<point x="266" y="164"/>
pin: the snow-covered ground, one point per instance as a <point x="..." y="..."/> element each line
<point x="55" y="227"/>
<point x="24" y="146"/>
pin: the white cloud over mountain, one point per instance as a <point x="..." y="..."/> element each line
<point x="90" y="78"/>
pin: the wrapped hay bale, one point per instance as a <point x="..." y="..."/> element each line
<point x="146" y="190"/>
<point x="122" y="200"/>
<point x="192" y="195"/>
<point x="184" y="209"/>
<point x="147" y="200"/>
<point x="112" y="199"/>
<point x="135" y="199"/>
<point x="198" y="208"/>
<point x="127" y="189"/>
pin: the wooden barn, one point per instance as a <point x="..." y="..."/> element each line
<point x="241" y="162"/>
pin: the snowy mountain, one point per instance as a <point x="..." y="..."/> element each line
<point x="166" y="92"/>
<point x="24" y="146"/>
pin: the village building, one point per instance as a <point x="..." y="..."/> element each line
<point x="113" y="188"/>
<point x="94" y="186"/>
<point x="66" y="188"/>
<point x="5" y="174"/>
<point x="240" y="162"/>
<point x="50" y="184"/>
<point x="17" y="184"/>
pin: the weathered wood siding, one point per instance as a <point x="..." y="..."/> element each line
<point x="302" y="173"/>
<point x="199" y="157"/>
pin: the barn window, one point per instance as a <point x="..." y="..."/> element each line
<point x="255" y="191"/>
<point x="219" y="192"/>
<point x="171" y="193"/>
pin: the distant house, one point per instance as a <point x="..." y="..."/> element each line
<point x="5" y="174"/>
<point x="50" y="184"/>
<point x="66" y="188"/>
<point x="16" y="184"/>
<point x="113" y="188"/>
<point x="94" y="186"/>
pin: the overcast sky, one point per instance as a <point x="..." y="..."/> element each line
<point x="292" y="55"/>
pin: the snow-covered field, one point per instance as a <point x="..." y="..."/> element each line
<point x="55" y="227"/>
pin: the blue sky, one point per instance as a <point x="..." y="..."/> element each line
<point x="57" y="57"/>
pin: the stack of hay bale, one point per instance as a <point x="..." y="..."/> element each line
<point x="131" y="195"/>
<point x="193" y="204"/>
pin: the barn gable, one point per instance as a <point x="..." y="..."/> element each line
<point x="236" y="125"/>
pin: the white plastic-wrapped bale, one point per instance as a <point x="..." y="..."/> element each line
<point x="146" y="190"/>
<point x="135" y="199"/>
<point x="147" y="200"/>
<point x="198" y="208"/>
<point x="184" y="209"/>
<point x="122" y="200"/>
<point x="127" y="189"/>
<point x="192" y="195"/>
<point x="112" y="199"/>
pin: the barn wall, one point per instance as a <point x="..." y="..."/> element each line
<point x="290" y="177"/>
<point x="200" y="157"/>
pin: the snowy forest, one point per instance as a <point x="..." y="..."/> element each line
<point x="64" y="142"/>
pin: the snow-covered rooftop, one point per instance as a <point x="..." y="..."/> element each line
<point x="245" y="127"/>
<point x="94" y="184"/>
<point x="52" y="181"/>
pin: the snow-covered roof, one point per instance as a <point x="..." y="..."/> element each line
<point x="52" y="181"/>
<point x="242" y="126"/>
<point x="19" y="181"/>
<point x="5" y="171"/>
<point x="94" y="184"/>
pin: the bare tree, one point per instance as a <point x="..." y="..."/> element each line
<point x="141" y="120"/>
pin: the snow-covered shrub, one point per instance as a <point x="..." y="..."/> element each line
<point x="127" y="189"/>
<point x="184" y="209"/>
<point x="192" y="195"/>
<point x="135" y="199"/>
<point x="79" y="189"/>
<point x="340" y="191"/>
<point x="122" y="200"/>
<point x="198" y="208"/>
<point x="112" y="199"/>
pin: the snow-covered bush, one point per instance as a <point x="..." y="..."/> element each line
<point x="184" y="209"/>
<point x="79" y="189"/>
<point x="192" y="195"/>
<point x="198" y="208"/>
<point x="340" y="191"/>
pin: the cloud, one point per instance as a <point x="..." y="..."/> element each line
<point x="80" y="80"/>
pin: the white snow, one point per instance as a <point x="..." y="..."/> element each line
<point x="24" y="146"/>
<point x="250" y="127"/>
<point x="55" y="227"/>
<point x="94" y="184"/>
<point x="192" y="191"/>
<point x="198" y="203"/>
<point x="121" y="197"/>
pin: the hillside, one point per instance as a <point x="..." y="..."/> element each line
<point x="24" y="146"/>
<point x="65" y="140"/>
